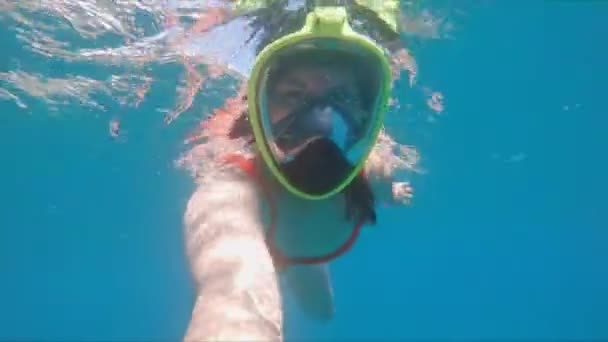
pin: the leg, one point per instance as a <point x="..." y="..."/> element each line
<point x="311" y="287"/>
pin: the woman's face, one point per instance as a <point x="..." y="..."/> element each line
<point x="305" y="82"/>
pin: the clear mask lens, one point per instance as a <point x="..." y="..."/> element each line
<point x="294" y="115"/>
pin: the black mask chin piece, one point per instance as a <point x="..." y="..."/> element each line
<point x="319" y="167"/>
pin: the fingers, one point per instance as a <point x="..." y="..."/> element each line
<point x="402" y="192"/>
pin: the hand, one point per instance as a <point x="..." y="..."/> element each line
<point x="402" y="192"/>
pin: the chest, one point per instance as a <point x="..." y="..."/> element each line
<point x="306" y="227"/>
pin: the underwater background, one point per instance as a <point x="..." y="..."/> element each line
<point x="506" y="237"/>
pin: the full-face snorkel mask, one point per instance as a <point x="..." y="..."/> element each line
<point x="320" y="145"/>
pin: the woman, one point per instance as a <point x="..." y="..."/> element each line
<point x="299" y="174"/>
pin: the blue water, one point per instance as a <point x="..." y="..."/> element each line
<point x="506" y="237"/>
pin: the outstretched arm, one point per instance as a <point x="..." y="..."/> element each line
<point x="238" y="296"/>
